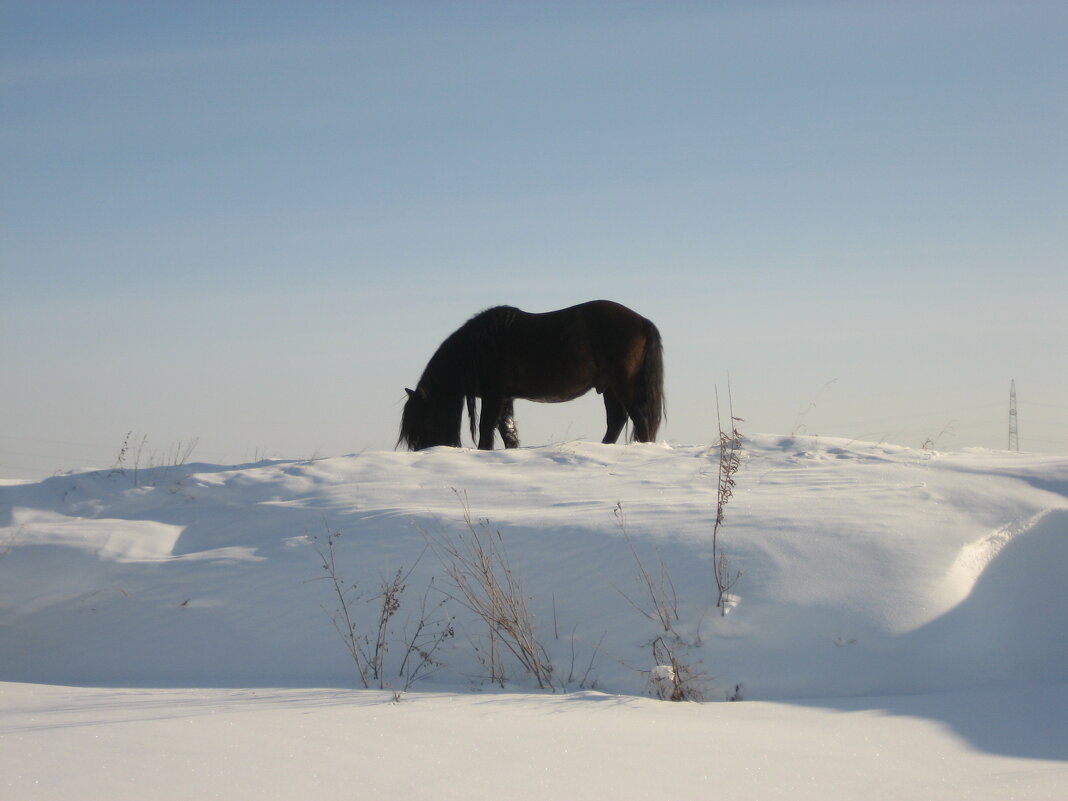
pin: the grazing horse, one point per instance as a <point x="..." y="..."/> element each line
<point x="504" y="353"/>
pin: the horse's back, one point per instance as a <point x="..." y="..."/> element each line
<point x="615" y="325"/>
<point x="607" y="310"/>
<point x="594" y="316"/>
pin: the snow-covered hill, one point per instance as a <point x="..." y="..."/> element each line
<point x="867" y="571"/>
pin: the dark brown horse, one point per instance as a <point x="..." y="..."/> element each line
<point x="504" y="353"/>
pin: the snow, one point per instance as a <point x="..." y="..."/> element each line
<point x="899" y="628"/>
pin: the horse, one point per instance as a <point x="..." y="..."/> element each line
<point x="505" y="353"/>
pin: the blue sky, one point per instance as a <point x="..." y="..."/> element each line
<point x="252" y="223"/>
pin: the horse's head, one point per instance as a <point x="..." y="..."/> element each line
<point x="428" y="421"/>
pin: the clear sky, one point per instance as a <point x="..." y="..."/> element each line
<point x="250" y="224"/>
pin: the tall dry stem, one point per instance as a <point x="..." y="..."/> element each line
<point x="341" y="616"/>
<point x="730" y="444"/>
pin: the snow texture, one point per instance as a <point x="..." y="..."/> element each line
<point x="899" y="629"/>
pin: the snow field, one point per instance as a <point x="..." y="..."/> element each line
<point x="901" y="624"/>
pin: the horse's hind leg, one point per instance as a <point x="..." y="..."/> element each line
<point x="506" y="425"/>
<point x="616" y="414"/>
<point x="641" y="429"/>
<point x="644" y="427"/>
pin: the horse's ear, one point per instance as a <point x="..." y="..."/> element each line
<point x="411" y="392"/>
<point x="421" y="392"/>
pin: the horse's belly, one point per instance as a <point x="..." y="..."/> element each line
<point x="557" y="397"/>
<point x="559" y="385"/>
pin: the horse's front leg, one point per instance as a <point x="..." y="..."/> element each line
<point x="616" y="412"/>
<point x="491" y="413"/>
<point x="506" y="425"/>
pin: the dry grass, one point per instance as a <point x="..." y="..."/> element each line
<point x="485" y="583"/>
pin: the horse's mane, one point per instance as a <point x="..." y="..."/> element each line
<point x="469" y="353"/>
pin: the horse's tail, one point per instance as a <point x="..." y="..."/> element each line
<point x="652" y="404"/>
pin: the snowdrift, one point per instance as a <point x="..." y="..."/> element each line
<point x="866" y="569"/>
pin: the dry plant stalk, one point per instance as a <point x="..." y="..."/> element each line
<point x="671" y="679"/>
<point x="177" y="456"/>
<point x="729" y="460"/>
<point x="341" y="617"/>
<point x="663" y="600"/>
<point x="392" y="590"/>
<point x="485" y="583"/>
<point x="369" y="656"/>
<point x="424" y="643"/>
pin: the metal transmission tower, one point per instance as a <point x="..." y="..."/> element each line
<point x="1014" y="436"/>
